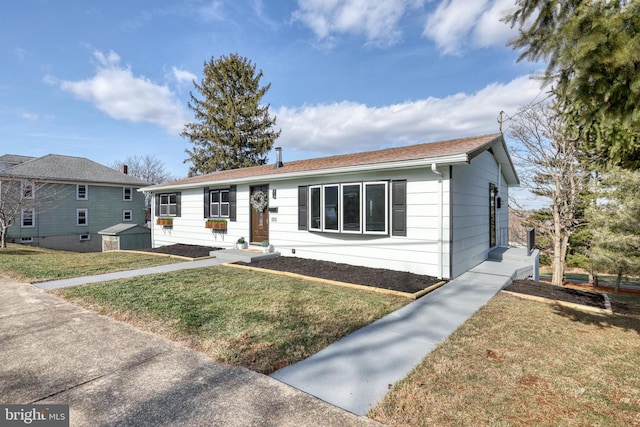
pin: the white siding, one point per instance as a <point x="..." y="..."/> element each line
<point x="417" y="252"/>
<point x="470" y="216"/>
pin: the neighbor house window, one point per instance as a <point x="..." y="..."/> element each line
<point x="127" y="194"/>
<point x="85" y="236"/>
<point x="219" y="205"/>
<point x="127" y="215"/>
<point x="28" y="218"/>
<point x="26" y="240"/>
<point x="27" y="190"/>
<point x="349" y="208"/>
<point x="82" y="192"/>
<point x="168" y="204"/>
<point x="82" y="217"/>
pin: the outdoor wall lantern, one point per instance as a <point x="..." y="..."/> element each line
<point x="273" y="193"/>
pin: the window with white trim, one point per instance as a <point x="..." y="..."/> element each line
<point x="168" y="204"/>
<point x="219" y="203"/>
<point x="85" y="236"/>
<point x="357" y="208"/>
<point x="82" y="217"/>
<point x="82" y="192"/>
<point x="26" y="240"/>
<point x="127" y="194"/>
<point x="127" y="215"/>
<point x="28" y="218"/>
<point x="27" y="190"/>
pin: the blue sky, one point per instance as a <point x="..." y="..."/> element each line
<point x="108" y="80"/>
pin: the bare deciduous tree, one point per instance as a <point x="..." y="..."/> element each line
<point x="550" y="167"/>
<point x="22" y="200"/>
<point x="147" y="168"/>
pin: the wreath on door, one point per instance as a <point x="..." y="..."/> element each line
<point x="259" y="201"/>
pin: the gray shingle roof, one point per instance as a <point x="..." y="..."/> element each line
<point x="55" y="167"/>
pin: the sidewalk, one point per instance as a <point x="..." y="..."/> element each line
<point x="356" y="372"/>
<point x="111" y="373"/>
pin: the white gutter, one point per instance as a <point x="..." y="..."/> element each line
<point x="405" y="164"/>
<point x="440" y="219"/>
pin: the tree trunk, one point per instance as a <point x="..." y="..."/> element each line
<point x="558" y="259"/>
<point x="618" y="280"/>
<point x="3" y="236"/>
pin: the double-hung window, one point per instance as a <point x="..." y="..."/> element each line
<point x="127" y="194"/>
<point x="82" y="192"/>
<point x="357" y="208"/>
<point x="27" y="190"/>
<point x="219" y="203"/>
<point x="82" y="217"/>
<point x="168" y="204"/>
<point x="28" y="218"/>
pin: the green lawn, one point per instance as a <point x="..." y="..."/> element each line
<point x="258" y="320"/>
<point x="32" y="264"/>
<point x="517" y="362"/>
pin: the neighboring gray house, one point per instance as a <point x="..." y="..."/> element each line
<point x="71" y="200"/>
<point x="436" y="208"/>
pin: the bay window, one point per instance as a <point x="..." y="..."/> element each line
<point x="355" y="208"/>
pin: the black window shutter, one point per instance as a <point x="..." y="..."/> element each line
<point x="157" y="203"/>
<point x="232" y="203"/>
<point x="302" y="207"/>
<point x="206" y="202"/>
<point x="399" y="208"/>
<point x="178" y="203"/>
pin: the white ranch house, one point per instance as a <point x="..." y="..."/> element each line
<point x="434" y="209"/>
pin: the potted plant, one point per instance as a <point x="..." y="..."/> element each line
<point x="267" y="248"/>
<point x="165" y="221"/>
<point x="216" y="223"/>
<point x="241" y="244"/>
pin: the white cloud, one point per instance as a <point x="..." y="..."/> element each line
<point x="183" y="77"/>
<point x="456" y="24"/>
<point x="115" y="91"/>
<point x="377" y="20"/>
<point x="351" y="127"/>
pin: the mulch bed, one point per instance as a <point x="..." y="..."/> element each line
<point x="189" y="251"/>
<point x="544" y="290"/>
<point x="374" y="277"/>
<point x="383" y="278"/>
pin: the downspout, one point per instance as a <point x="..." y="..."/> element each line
<point x="498" y="210"/>
<point x="440" y="219"/>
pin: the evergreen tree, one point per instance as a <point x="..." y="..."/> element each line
<point x="231" y="129"/>
<point x="594" y="63"/>
<point x="615" y="225"/>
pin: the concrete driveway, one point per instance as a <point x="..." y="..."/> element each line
<point x="111" y="373"/>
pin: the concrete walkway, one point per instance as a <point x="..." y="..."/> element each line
<point x="112" y="374"/>
<point x="356" y="372"/>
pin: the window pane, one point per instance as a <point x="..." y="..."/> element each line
<point x="314" y="209"/>
<point x="215" y="196"/>
<point x="224" y="209"/>
<point x="331" y="208"/>
<point x="224" y="196"/>
<point x="172" y="199"/>
<point x="351" y="207"/>
<point x="215" y="209"/>
<point x="126" y="195"/>
<point x="375" y="207"/>
<point x="172" y="210"/>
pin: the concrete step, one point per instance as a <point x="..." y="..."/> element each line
<point x="244" y="255"/>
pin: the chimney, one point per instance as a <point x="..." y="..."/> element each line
<point x="124" y="169"/>
<point x="279" y="163"/>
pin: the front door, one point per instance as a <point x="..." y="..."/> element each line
<point x="259" y="213"/>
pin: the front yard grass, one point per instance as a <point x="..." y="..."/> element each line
<point x="518" y="362"/>
<point x="257" y="320"/>
<point x="33" y="264"/>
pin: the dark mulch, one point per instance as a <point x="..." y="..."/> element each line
<point x="545" y="290"/>
<point x="374" y="277"/>
<point x="189" y="251"/>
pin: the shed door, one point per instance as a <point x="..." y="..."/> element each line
<point x="259" y="220"/>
